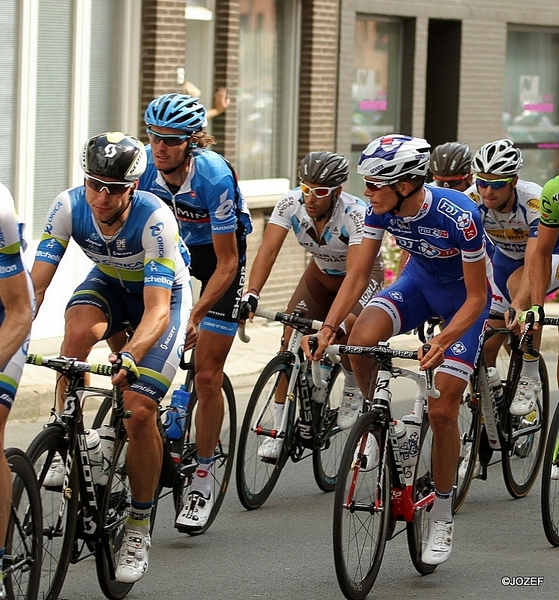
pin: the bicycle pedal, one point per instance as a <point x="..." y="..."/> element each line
<point x="270" y="461"/>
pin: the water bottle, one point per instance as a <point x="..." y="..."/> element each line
<point x="176" y="413"/>
<point x="319" y="394"/>
<point x="93" y="443"/>
<point x="107" y="437"/>
<point x="413" y="430"/>
<point x="402" y="439"/>
<point x="495" y="383"/>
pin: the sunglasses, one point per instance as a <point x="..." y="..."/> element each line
<point x="168" y="139"/>
<point x="319" y="192"/>
<point x="112" y="188"/>
<point x="449" y="182"/>
<point x="376" y="185"/>
<point x="495" y="184"/>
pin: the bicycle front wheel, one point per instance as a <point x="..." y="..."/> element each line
<point x="550" y="483"/>
<point x="223" y="455"/>
<point x="60" y="508"/>
<point x="523" y="455"/>
<point x="423" y="486"/>
<point x="24" y="537"/>
<point x="361" y="509"/>
<point x="331" y="440"/>
<point x="257" y="475"/>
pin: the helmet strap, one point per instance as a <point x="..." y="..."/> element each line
<point x="401" y="197"/>
<point x="187" y="154"/>
<point x="119" y="214"/>
<point x="328" y="212"/>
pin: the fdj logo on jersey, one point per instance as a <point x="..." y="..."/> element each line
<point x="461" y="217"/>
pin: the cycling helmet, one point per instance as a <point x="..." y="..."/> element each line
<point x="114" y="154"/>
<point x="452" y="158"/>
<point x="498" y="158"/>
<point x="177" y="111"/>
<point x="395" y="157"/>
<point x="324" y="168"/>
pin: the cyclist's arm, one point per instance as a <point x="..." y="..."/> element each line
<point x="266" y="256"/>
<point x="522" y="298"/>
<point x="540" y="263"/>
<point x="15" y="328"/>
<point x="225" y="246"/>
<point x="42" y="274"/>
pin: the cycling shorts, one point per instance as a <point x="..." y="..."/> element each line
<point x="414" y="297"/>
<point x="223" y="317"/>
<point x="120" y="307"/>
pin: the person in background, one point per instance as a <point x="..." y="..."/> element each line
<point x="450" y="165"/>
<point x="221" y="101"/>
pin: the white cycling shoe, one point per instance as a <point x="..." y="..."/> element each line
<point x="439" y="543"/>
<point x="351" y="407"/>
<point x="134" y="557"/>
<point x="526" y="396"/>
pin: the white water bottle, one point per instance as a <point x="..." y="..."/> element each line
<point x="413" y="430"/>
<point x="93" y="443"/>
<point x="107" y="437"/>
<point x="319" y="394"/>
<point x="402" y="439"/>
<point x="495" y="382"/>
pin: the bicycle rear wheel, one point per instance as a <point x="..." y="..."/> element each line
<point x="24" y="537"/>
<point x="361" y="509"/>
<point x="329" y="448"/>
<point x="256" y="476"/>
<point x="223" y="456"/>
<point x="60" y="510"/>
<point x="469" y="426"/>
<point x="550" y="483"/>
<point x="423" y="485"/>
<point x="523" y="456"/>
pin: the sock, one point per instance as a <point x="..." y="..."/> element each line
<point x="139" y="516"/>
<point x="530" y="367"/>
<point x="350" y="380"/>
<point x="442" y="506"/>
<point x="202" y="479"/>
<point x="278" y="414"/>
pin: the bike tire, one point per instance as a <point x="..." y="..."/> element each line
<point x="24" y="536"/>
<point x="223" y="456"/>
<point x="469" y="426"/>
<point x="114" y="507"/>
<point x="550" y="484"/>
<point x="360" y="528"/>
<point x="256" y="477"/>
<point x="423" y="485"/>
<point x="58" y="532"/>
<point x="331" y="440"/>
<point x="102" y="412"/>
<point x="521" y="460"/>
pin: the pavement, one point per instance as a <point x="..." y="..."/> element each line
<point x="35" y="396"/>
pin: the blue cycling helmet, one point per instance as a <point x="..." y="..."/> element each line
<point x="177" y="111"/>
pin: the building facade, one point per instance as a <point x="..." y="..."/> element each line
<point x="302" y="75"/>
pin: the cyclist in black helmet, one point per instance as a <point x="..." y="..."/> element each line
<point x="450" y="164"/>
<point x="328" y="223"/>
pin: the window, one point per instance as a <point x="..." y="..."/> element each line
<point x="376" y="90"/>
<point x="267" y="86"/>
<point x="531" y="110"/>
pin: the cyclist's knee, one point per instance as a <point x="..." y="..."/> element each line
<point x="143" y="414"/>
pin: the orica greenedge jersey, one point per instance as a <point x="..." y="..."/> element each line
<point x="446" y="231"/>
<point x="208" y="202"/>
<point x="344" y="229"/>
<point x="11" y="243"/>
<point x="549" y="204"/>
<point x="510" y="231"/>
<point x="143" y="253"/>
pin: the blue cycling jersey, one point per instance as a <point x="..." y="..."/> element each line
<point x="209" y="201"/>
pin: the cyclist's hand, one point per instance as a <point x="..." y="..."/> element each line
<point x="127" y="369"/>
<point x="249" y="303"/>
<point x="434" y="358"/>
<point x="511" y="319"/>
<point x="324" y="338"/>
<point x="538" y="314"/>
<point x="191" y="336"/>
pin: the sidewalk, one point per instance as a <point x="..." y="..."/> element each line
<point x="35" y="396"/>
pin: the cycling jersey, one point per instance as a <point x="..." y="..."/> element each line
<point x="549" y="204"/>
<point x="208" y="202"/>
<point x="11" y="263"/>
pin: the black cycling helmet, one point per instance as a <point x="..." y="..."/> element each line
<point x="116" y="155"/>
<point x="177" y="111"/>
<point x="324" y="168"/>
<point x="452" y="158"/>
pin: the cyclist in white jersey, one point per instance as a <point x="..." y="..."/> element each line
<point x="139" y="277"/>
<point x="16" y="315"/>
<point x="328" y="223"/>
<point x="510" y="214"/>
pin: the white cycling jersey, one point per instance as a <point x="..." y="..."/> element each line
<point x="343" y="229"/>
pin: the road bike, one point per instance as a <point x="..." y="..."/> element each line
<point x="81" y="517"/>
<point x="381" y="479"/>
<point x="179" y="456"/>
<point x="487" y="427"/>
<point x="308" y="426"/>
<point x="21" y="567"/>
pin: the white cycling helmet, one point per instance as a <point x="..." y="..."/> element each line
<point x="498" y="158"/>
<point x="395" y="157"/>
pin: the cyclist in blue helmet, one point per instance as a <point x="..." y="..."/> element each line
<point x="201" y="189"/>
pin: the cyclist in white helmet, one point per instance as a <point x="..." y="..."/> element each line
<point x="510" y="209"/>
<point x="445" y="276"/>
